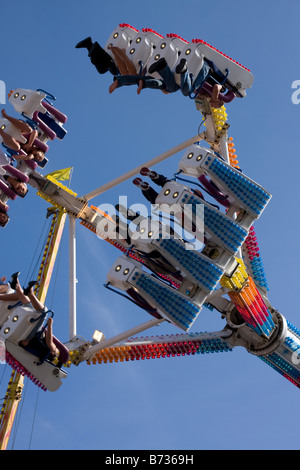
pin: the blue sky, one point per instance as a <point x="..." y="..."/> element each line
<point x="225" y="401"/>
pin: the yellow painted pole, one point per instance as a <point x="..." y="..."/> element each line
<point x="9" y="407"/>
<point x="15" y="386"/>
<point x="50" y="253"/>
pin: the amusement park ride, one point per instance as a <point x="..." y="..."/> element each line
<point x="159" y="269"/>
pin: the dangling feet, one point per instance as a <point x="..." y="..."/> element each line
<point x="181" y="67"/>
<point x="215" y="102"/>
<point x="14" y="280"/>
<point x="147" y="172"/>
<point x="140" y="87"/>
<point x="141" y="184"/>
<point x="85" y="43"/>
<point x="160" y="180"/>
<point x="149" y="193"/>
<point x="113" y="86"/>
<point x="157" y="66"/>
<point x="29" y="287"/>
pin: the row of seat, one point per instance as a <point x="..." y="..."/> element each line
<point x="146" y="47"/>
<point x="170" y="274"/>
<point x="22" y="151"/>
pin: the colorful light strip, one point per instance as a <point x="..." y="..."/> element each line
<point x="279" y="370"/>
<point x="197" y="41"/>
<point x="227" y="232"/>
<point x="286" y="359"/>
<point x="12" y="362"/>
<point x="251" y="306"/>
<point x="173" y="35"/>
<point x="220" y="117"/>
<point x="147" y="350"/>
<point x="237" y="279"/>
<point x="250" y="245"/>
<point x="232" y="153"/>
<point x="126" y="25"/>
<point x="255" y="261"/>
<point x="149" y="30"/>
<point x="201" y="270"/>
<point x="249" y="194"/>
<point x="293" y="329"/>
<point x="286" y="368"/>
<point x="169" y="302"/>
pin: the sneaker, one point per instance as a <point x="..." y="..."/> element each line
<point x="141" y="184"/>
<point x="157" y="66"/>
<point x="137" y="181"/>
<point x="87" y="42"/>
<point x="181" y="67"/>
<point x="147" y="172"/>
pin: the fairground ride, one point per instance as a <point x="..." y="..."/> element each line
<point x="170" y="277"/>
